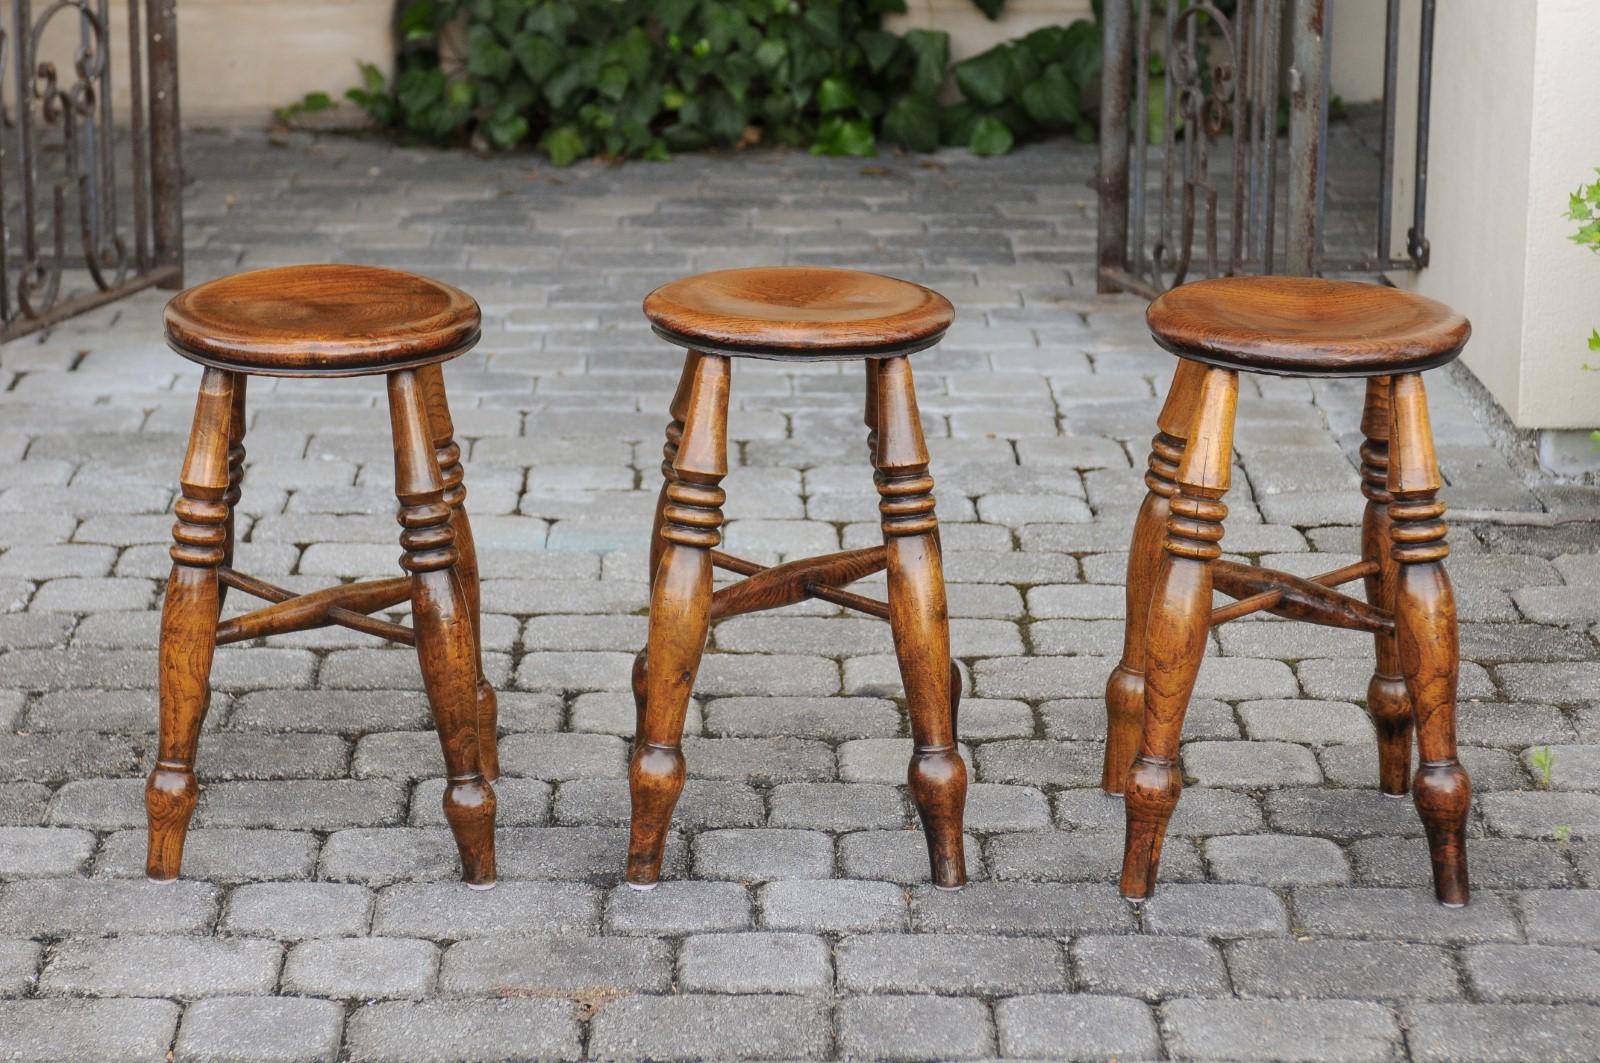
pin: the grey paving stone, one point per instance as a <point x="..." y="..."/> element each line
<point x="260" y="1030"/>
<point x="913" y="1028"/>
<point x="1502" y="1033"/>
<point x="678" y="908"/>
<point x="1307" y="1030"/>
<point x="1496" y="863"/>
<point x="1377" y="913"/>
<point x="532" y="966"/>
<point x="61" y="906"/>
<point x="1561" y="917"/>
<point x="1077" y="1027"/>
<point x="19" y="965"/>
<point x="827" y="718"/>
<point x="896" y="855"/>
<point x="692" y="1026"/>
<point x="42" y="852"/>
<point x="1537" y="815"/>
<point x="465" y="1030"/>
<point x="149" y="965"/>
<point x="364" y="968"/>
<point x="1276" y="860"/>
<point x="763" y="855"/>
<point x="1250" y="764"/>
<point x="219" y="855"/>
<point x="759" y="761"/>
<point x="1020" y="907"/>
<point x="949" y="963"/>
<point x="1299" y="968"/>
<point x="1081" y="856"/>
<point x="755" y="963"/>
<point x="446" y="912"/>
<point x="1148" y="966"/>
<point x="1536" y="973"/>
<point x="302" y="804"/>
<point x="293" y="911"/>
<point x="23" y="803"/>
<point x="836" y="806"/>
<point x="93" y="1031"/>
<point x="836" y="906"/>
<point x="1201" y="811"/>
<point x="1216" y="911"/>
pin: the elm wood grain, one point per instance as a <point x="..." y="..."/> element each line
<point x="189" y="624"/>
<point x="1179" y="619"/>
<point x="1388" y="704"/>
<point x="442" y="620"/>
<point x="795" y="581"/>
<point x="1425" y="635"/>
<point x="1293" y="598"/>
<point x="680" y="615"/>
<point x="448" y="454"/>
<point x="1305" y="326"/>
<point x="1125" y="687"/>
<point x="798" y="312"/>
<point x="236" y="457"/>
<point x="321" y="320"/>
<point x="346" y="605"/>
<point x="919" y="619"/>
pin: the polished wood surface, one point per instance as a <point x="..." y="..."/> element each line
<point x="1409" y="608"/>
<point x="441" y="583"/>
<point x="321" y="320"/>
<point x="799" y="312"/>
<point x="687" y="531"/>
<point x="1304" y="326"/>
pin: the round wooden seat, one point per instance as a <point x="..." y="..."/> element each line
<point x="1303" y="326"/>
<point x="800" y="312"/>
<point x="324" y="320"/>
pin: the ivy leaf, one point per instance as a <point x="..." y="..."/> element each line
<point x="770" y="54"/>
<point x="823" y="21"/>
<point x="633" y="51"/>
<point x="1594" y="339"/>
<point x="552" y="19"/>
<point x="845" y="136"/>
<point x="914" y="122"/>
<point x="506" y="131"/>
<point x="991" y="8"/>
<point x="372" y="77"/>
<point x="564" y="144"/>
<point x="538" y="56"/>
<point x="990" y="137"/>
<point x="1051" y="99"/>
<point x="486" y="56"/>
<point x="418" y="88"/>
<point x="878" y="47"/>
<point x="932" y="51"/>
<point x="835" y="94"/>
<point x="562" y="84"/>
<point x="613" y="81"/>
<point x="985" y="79"/>
<point x="417" y="20"/>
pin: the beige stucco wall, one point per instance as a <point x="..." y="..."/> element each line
<point x="970" y="32"/>
<point x="1510" y="139"/>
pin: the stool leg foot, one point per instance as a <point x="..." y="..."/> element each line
<point x="1425" y="634"/>
<point x="1388" y="704"/>
<point x="1179" y="621"/>
<point x="1125" y="686"/>
<point x="680" y="615"/>
<point x="919" y="619"/>
<point x="442" y="619"/>
<point x="189" y="623"/>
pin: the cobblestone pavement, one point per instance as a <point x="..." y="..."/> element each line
<point x="318" y="916"/>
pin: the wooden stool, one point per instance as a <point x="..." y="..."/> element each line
<point x="1307" y="328"/>
<point x="310" y="321"/>
<point x="804" y="315"/>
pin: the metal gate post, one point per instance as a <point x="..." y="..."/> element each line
<point x="166" y="154"/>
<point x="1306" y="124"/>
<point x="1113" y="176"/>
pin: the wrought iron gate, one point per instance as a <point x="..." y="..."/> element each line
<point x="90" y="206"/>
<point x="1223" y="83"/>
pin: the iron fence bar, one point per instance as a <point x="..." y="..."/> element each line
<point x="1141" y="135"/>
<point x="166" y="159"/>
<point x="1417" y="238"/>
<point x="1391" y="78"/>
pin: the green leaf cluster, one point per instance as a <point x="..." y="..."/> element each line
<point x="1036" y="85"/>
<point x="644" y="78"/>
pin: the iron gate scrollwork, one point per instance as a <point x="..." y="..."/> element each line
<point x="90" y="209"/>
<point x="1224" y="78"/>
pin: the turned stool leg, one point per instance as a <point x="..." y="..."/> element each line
<point x="236" y="428"/>
<point x="189" y="620"/>
<point x="679" y="410"/>
<point x="1387" y="701"/>
<point x="448" y="454"/>
<point x="1125" y="687"/>
<point x="1179" y="620"/>
<point x="442" y="619"/>
<point x="1425" y="632"/>
<point x="680" y="612"/>
<point x="920" y="620"/>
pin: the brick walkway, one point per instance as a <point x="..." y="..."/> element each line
<point x="318" y="917"/>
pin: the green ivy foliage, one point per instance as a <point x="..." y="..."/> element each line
<point x="644" y="78"/>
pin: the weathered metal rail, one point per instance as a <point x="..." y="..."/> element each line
<point x="1225" y="77"/>
<point x="90" y="200"/>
